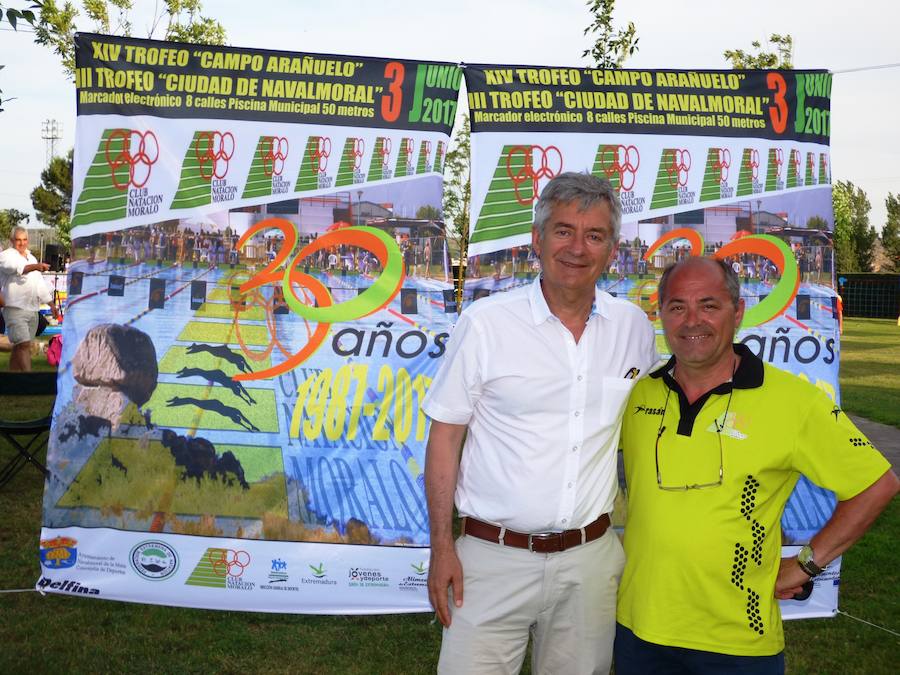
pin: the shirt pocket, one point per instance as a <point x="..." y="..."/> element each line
<point x="614" y="395"/>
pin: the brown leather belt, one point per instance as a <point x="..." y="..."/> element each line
<point x="551" y="542"/>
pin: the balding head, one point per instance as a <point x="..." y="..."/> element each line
<point x="732" y="283"/>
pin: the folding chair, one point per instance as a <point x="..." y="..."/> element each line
<point x="30" y="431"/>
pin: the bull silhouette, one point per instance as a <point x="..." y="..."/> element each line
<point x="197" y="456"/>
<point x="88" y="425"/>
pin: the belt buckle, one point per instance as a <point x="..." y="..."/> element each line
<point x="547" y="536"/>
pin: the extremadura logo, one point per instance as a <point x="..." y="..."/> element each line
<point x="154" y="560"/>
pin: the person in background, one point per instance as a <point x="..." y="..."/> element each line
<point x="23" y="289"/>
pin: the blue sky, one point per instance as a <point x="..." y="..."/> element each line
<point x="865" y="139"/>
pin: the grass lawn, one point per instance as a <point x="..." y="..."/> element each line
<point x="870" y="369"/>
<point x="56" y="633"/>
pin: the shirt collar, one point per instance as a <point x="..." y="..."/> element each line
<point x="749" y="373"/>
<point x="540" y="310"/>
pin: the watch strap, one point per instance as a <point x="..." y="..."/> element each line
<point x="807" y="564"/>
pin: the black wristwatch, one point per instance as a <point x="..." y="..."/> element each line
<point x="807" y="564"/>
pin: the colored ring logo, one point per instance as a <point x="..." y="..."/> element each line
<point x="778" y="160"/>
<point x="795" y="162"/>
<point x="135" y="150"/>
<point x="357" y="150"/>
<point x="752" y="163"/>
<point x="679" y="167"/>
<point x="385" y="151"/>
<point x="214" y="150"/>
<point x="409" y="146"/>
<point x="320" y="152"/>
<point x="722" y="163"/>
<point x="527" y="165"/>
<point x="426" y="150"/>
<point x="622" y="161"/>
<point x="154" y="560"/>
<point x="273" y="150"/>
<point x="228" y="562"/>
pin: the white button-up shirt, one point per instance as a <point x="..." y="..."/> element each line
<point x="544" y="412"/>
<point x="24" y="291"/>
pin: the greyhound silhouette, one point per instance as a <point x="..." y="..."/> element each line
<point x="222" y="352"/>
<point x="218" y="377"/>
<point x="215" y="406"/>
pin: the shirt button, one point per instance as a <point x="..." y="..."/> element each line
<point x="570" y="485"/>
<point x="574" y="448"/>
<point x="580" y="378"/>
<point x="577" y="413"/>
<point x="565" y="520"/>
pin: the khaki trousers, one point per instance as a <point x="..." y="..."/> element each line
<point x="566" y="601"/>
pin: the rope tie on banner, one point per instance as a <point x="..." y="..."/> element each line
<point x="869" y="623"/>
<point x="18" y="590"/>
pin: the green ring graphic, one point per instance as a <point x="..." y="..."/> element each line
<point x="784" y="291"/>
<point x="373" y="298"/>
<point x="782" y="294"/>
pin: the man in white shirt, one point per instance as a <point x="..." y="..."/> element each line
<point x="535" y="381"/>
<point x="23" y="289"/>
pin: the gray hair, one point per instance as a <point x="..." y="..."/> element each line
<point x="15" y="231"/>
<point x="581" y="188"/>
<point x="732" y="283"/>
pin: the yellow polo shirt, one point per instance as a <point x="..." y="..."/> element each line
<point x="701" y="563"/>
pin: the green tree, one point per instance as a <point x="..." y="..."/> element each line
<point x="13" y="16"/>
<point x="890" y="233"/>
<point x="186" y="24"/>
<point x="428" y="212"/>
<point x="56" y="26"/>
<point x="851" y="217"/>
<point x="10" y="218"/>
<point x="844" y="246"/>
<point x="52" y="199"/>
<point x="780" y="56"/>
<point x="611" y="46"/>
<point x="816" y="223"/>
<point x="458" y="189"/>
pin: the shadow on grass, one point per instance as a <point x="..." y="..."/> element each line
<point x="861" y="344"/>
<point x="871" y="368"/>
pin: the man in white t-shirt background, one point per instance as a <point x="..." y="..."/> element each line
<point x="23" y="289"/>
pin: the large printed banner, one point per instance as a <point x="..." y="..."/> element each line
<point x="259" y="297"/>
<point x="733" y="164"/>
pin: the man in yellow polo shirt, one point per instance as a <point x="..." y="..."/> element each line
<point x="714" y="442"/>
